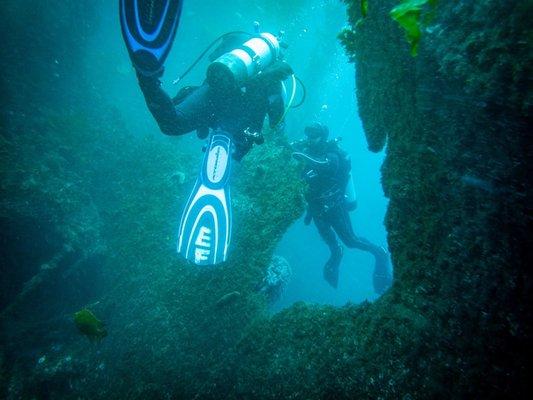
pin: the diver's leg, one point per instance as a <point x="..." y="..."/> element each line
<point x="343" y="227"/>
<point x="148" y="29"/>
<point x="331" y="268"/>
<point x="160" y="105"/>
<point x="188" y="115"/>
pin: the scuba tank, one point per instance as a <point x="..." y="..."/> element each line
<point x="240" y="64"/>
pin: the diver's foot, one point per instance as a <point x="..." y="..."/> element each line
<point x="331" y="274"/>
<point x="331" y="269"/>
<point x="382" y="276"/>
<point x="202" y="133"/>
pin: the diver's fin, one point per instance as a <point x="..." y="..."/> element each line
<point x="331" y="269"/>
<point x="148" y="28"/>
<point x="331" y="274"/>
<point x="205" y="227"/>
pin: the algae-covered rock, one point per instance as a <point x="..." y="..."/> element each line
<point x="454" y="323"/>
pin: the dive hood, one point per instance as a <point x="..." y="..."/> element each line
<point x="239" y="65"/>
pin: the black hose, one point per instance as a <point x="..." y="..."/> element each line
<point x="206" y="50"/>
<point x="303" y="95"/>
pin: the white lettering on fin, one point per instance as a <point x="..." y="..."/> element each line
<point x="203" y="243"/>
<point x="204" y="237"/>
<point x="201" y="254"/>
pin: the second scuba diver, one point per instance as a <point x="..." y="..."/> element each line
<point x="327" y="170"/>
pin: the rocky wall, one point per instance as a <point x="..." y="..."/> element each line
<point x="455" y="324"/>
<point x="457" y="321"/>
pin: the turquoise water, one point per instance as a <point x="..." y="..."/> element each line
<point x="311" y="32"/>
<point x="96" y="304"/>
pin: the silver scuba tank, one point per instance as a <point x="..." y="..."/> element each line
<point x="237" y="66"/>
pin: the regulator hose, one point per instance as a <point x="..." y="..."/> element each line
<point x="203" y="53"/>
<point x="304" y="93"/>
<point x="291" y="99"/>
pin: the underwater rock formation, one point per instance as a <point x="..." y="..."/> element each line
<point x="96" y="219"/>
<point x="149" y="298"/>
<point x="455" y="121"/>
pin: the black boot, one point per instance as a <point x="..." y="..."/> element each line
<point x="382" y="277"/>
<point x="331" y="269"/>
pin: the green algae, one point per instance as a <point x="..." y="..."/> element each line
<point x="364" y="8"/>
<point x="446" y="106"/>
<point x="411" y="16"/>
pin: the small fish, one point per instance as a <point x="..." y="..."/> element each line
<point x="479" y="183"/>
<point x="89" y="325"/>
<point x="227" y="299"/>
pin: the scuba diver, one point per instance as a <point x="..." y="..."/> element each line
<point x="243" y="82"/>
<point x="327" y="170"/>
<point x="243" y="85"/>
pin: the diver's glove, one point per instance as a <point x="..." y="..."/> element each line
<point x="253" y="137"/>
<point x="202" y="132"/>
<point x="278" y="71"/>
<point x="298" y="145"/>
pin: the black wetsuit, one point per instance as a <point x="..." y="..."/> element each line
<point x="327" y="173"/>
<point x="232" y="111"/>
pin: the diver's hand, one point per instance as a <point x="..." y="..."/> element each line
<point x="298" y="145"/>
<point x="278" y="71"/>
<point x="308" y="218"/>
<point x="350" y="205"/>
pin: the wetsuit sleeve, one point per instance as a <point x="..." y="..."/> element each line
<point x="187" y="116"/>
<point x="332" y="162"/>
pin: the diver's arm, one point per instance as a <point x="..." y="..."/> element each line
<point x="274" y="75"/>
<point x="276" y="106"/>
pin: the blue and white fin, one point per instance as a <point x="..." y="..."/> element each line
<point x="149" y="28"/>
<point x="205" y="227"/>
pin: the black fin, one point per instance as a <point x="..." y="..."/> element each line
<point x="149" y="28"/>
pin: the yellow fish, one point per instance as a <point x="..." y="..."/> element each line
<point x="89" y="325"/>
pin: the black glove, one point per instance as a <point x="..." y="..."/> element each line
<point x="308" y="217"/>
<point x="279" y="71"/>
